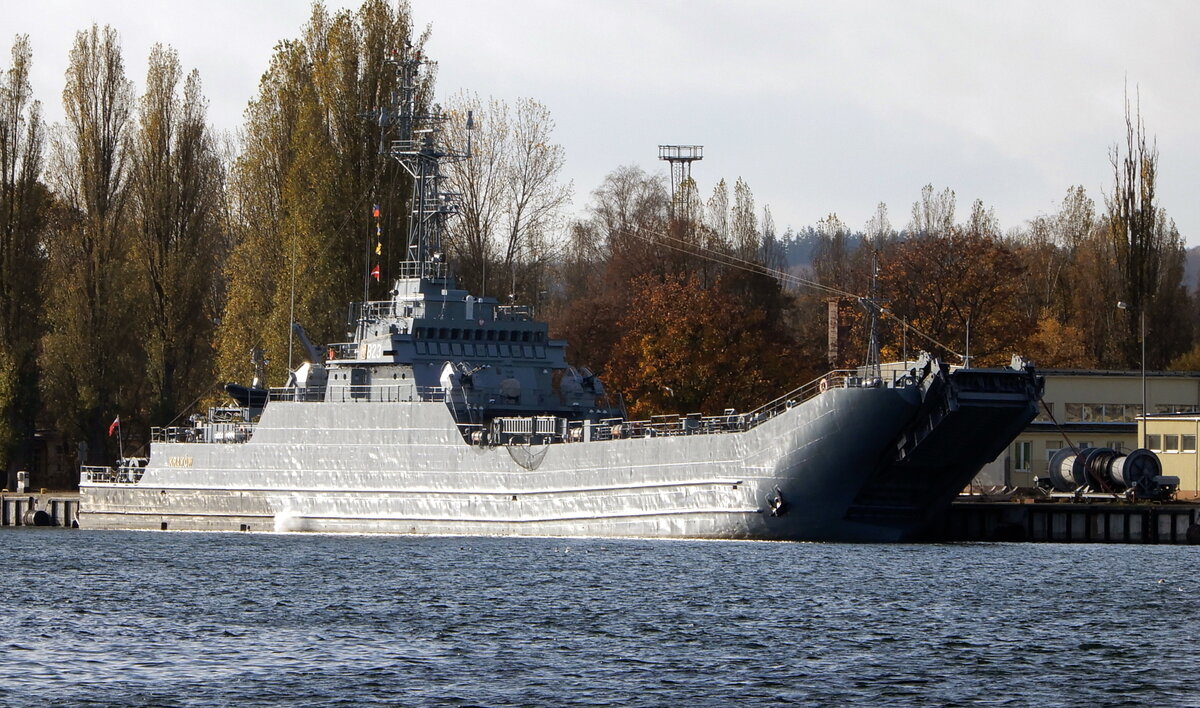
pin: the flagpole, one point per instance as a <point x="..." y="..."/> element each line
<point x="367" y="267"/>
<point x="120" y="443"/>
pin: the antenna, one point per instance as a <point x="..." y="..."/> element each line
<point x="873" y="365"/>
<point x="681" y="158"/>
<point x="419" y="149"/>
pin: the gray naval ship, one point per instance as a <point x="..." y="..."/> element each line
<point x="447" y="413"/>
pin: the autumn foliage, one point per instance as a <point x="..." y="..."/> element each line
<point x="686" y="348"/>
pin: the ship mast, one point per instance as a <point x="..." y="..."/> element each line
<point x="873" y="365"/>
<point x="417" y="145"/>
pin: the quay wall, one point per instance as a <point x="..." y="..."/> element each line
<point x="1071" y="522"/>
<point x="49" y="509"/>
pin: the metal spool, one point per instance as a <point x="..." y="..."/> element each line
<point x="1062" y="471"/>
<point x="1105" y="469"/>
<point x="1092" y="466"/>
<point x="1137" y="469"/>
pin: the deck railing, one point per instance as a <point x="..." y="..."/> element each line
<point x="126" y="474"/>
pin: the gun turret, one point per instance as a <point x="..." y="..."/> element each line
<point x="314" y="355"/>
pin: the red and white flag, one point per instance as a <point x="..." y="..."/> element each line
<point x="375" y="273"/>
<point x="116" y="425"/>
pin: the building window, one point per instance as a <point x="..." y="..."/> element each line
<point x="1051" y="449"/>
<point x="1154" y="442"/>
<point x="1022" y="452"/>
<point x="1171" y="443"/>
<point x="1188" y="443"/>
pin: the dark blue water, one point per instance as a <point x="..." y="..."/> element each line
<point x="115" y="618"/>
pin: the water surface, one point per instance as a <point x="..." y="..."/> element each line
<point x="176" y="619"/>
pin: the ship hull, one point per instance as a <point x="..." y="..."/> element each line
<point x="812" y="472"/>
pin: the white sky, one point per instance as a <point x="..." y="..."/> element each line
<point x="822" y="107"/>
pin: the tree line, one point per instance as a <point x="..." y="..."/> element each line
<point x="144" y="256"/>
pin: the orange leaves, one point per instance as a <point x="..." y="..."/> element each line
<point x="686" y="348"/>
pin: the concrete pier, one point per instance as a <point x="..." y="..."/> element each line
<point x="48" y="509"/>
<point x="1072" y="522"/>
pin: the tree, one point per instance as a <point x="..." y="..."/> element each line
<point x="90" y="354"/>
<point x="177" y="205"/>
<point x="512" y="196"/>
<point x="686" y="348"/>
<point x="24" y="207"/>
<point x="623" y="238"/>
<point x="304" y="184"/>
<point x="879" y="231"/>
<point x="933" y="213"/>
<point x="943" y="284"/>
<point x="1147" y="249"/>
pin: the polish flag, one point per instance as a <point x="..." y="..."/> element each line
<point x="114" y="426"/>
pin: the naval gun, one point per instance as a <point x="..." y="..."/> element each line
<point x="1101" y="469"/>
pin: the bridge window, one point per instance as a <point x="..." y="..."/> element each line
<point x="491" y="335"/>
<point x="537" y="336"/>
<point x="443" y="333"/>
<point x="503" y="335"/>
<point x="454" y="333"/>
<point x="525" y="336"/>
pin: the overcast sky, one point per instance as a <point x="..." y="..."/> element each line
<point x="821" y="107"/>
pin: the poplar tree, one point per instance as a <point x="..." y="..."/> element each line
<point x="1147" y="250"/>
<point x="24" y="204"/>
<point x="176" y="205"/>
<point x="90" y="355"/>
<point x="303" y="188"/>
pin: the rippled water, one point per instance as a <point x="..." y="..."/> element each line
<point x="116" y="618"/>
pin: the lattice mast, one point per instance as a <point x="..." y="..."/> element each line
<point x="681" y="158"/>
<point x="417" y="144"/>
